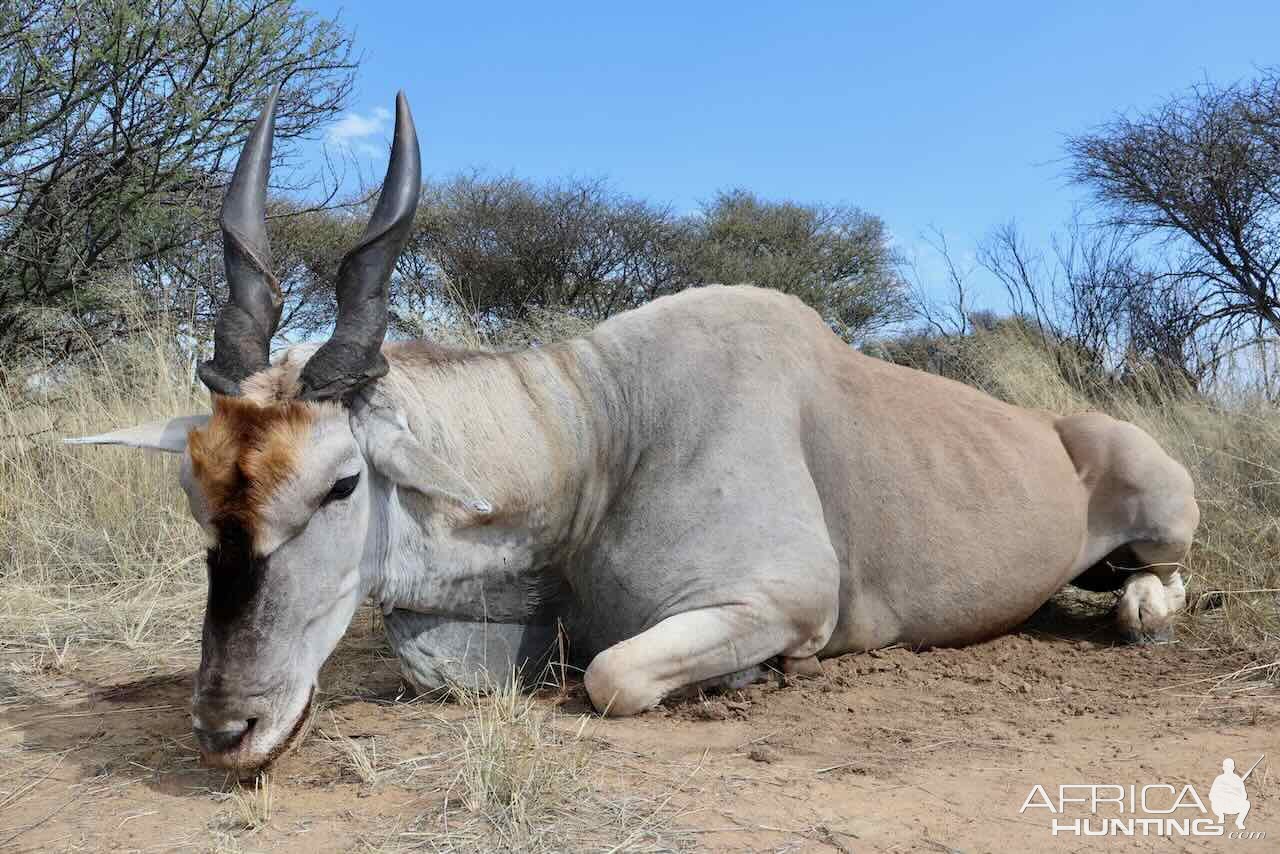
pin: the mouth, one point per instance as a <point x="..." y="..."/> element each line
<point x="249" y="755"/>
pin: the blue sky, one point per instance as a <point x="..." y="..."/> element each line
<point x="948" y="115"/>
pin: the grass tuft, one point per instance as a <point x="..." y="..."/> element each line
<point x="515" y="767"/>
<point x="253" y="807"/>
<point x="359" y="758"/>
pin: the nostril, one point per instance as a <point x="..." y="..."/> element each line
<point x="225" y="738"/>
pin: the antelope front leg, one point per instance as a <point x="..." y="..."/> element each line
<point x="686" y="648"/>
<point x="1153" y="595"/>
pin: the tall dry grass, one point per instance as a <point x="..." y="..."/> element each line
<point x="97" y="548"/>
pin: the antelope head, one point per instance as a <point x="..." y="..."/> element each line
<point x="276" y="475"/>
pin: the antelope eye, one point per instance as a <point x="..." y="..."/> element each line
<point x="342" y="488"/>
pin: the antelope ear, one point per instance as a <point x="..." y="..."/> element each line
<point x="398" y="455"/>
<point x="169" y="434"/>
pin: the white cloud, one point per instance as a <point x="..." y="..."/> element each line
<point x="360" y="133"/>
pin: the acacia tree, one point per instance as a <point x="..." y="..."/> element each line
<point x="118" y="124"/>
<point x="1201" y="172"/>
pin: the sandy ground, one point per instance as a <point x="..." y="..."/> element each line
<point x="891" y="751"/>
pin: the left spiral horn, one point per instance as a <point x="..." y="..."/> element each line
<point x="246" y="322"/>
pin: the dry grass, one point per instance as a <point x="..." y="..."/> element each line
<point x="97" y="548"/>
<point x="359" y="757"/>
<point x="252" y="806"/>
<point x="516" y="767"/>
<point x="525" y="777"/>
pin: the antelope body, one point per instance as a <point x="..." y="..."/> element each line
<point x="694" y="489"/>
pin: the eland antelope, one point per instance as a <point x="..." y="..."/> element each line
<point x="697" y="488"/>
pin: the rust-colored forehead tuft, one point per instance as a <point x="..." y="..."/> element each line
<point x="245" y="452"/>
